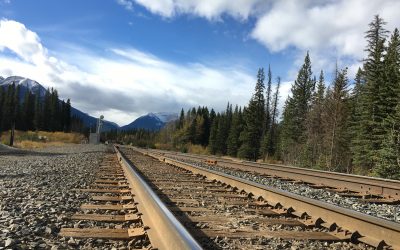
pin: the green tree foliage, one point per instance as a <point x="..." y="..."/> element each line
<point x="388" y="165"/>
<point x="295" y="115"/>
<point x="233" y="143"/>
<point x="315" y="127"/>
<point x="254" y="118"/>
<point x="336" y="120"/>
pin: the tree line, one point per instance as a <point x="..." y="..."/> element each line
<point x="33" y="111"/>
<point x="350" y="126"/>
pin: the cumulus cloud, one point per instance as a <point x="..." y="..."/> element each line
<point x="123" y="84"/>
<point x="207" y="9"/>
<point x="321" y="25"/>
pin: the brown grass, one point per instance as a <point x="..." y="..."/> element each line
<point x="197" y="149"/>
<point x="41" y="139"/>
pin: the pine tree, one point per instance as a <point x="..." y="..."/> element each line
<point x="315" y="129"/>
<point x="388" y="165"/>
<point x="272" y="138"/>
<point x="254" y="121"/>
<point x="37" y="119"/>
<point x="336" y="117"/>
<point x="46" y="112"/>
<point x="267" y="123"/>
<point x="181" y="120"/>
<point x="27" y="112"/>
<point x="212" y="144"/>
<point x="295" y="114"/>
<point x="370" y="130"/>
<point x="234" y="133"/>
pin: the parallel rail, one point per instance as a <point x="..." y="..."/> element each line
<point x="164" y="230"/>
<point x="385" y="188"/>
<point x="360" y="227"/>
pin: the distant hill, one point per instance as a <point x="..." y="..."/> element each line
<point x="151" y="121"/>
<point x="34" y="87"/>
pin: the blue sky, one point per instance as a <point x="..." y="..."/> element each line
<point x="125" y="58"/>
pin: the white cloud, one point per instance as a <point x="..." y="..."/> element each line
<point x="331" y="29"/>
<point x="124" y="84"/>
<point x="208" y="9"/>
<point x="126" y="3"/>
<point x="322" y="25"/>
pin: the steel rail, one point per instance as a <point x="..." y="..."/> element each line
<point x="364" y="228"/>
<point x="362" y="184"/>
<point x="165" y="231"/>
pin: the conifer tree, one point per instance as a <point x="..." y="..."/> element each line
<point x="295" y="114"/>
<point x="254" y="118"/>
<point x="388" y="165"/>
<point x="272" y="140"/>
<point x="212" y="144"/>
<point x="234" y="133"/>
<point x="336" y="117"/>
<point x="370" y="130"/>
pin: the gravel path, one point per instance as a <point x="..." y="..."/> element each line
<point x="36" y="197"/>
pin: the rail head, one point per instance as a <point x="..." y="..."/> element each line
<point x="165" y="231"/>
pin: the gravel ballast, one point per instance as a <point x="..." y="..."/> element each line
<point x="385" y="211"/>
<point x="35" y="194"/>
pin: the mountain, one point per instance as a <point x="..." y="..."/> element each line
<point x="151" y="121"/>
<point x="34" y="87"/>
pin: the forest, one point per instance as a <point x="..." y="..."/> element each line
<point x="28" y="111"/>
<point x="347" y="125"/>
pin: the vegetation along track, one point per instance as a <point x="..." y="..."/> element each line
<point x="223" y="211"/>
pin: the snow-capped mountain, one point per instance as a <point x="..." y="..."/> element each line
<point x="151" y="121"/>
<point x="25" y="83"/>
<point x="165" y="117"/>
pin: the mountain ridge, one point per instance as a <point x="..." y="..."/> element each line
<point x="150" y="121"/>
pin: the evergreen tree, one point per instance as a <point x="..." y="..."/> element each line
<point x="267" y="124"/>
<point x="37" y="119"/>
<point x="234" y="133"/>
<point x="370" y="130"/>
<point x="212" y="144"/>
<point x="315" y="128"/>
<point x="388" y="165"/>
<point x="27" y="112"/>
<point x="46" y="112"/>
<point x="336" y="117"/>
<point x="254" y="121"/>
<point x="295" y="115"/>
<point x="272" y="137"/>
<point x="181" y="120"/>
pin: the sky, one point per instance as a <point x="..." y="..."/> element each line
<point x="125" y="58"/>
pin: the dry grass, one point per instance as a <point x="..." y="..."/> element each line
<point x="35" y="144"/>
<point x="197" y="149"/>
<point x="41" y="139"/>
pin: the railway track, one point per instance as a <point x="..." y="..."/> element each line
<point x="368" y="189"/>
<point x="223" y="211"/>
<point x="124" y="210"/>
